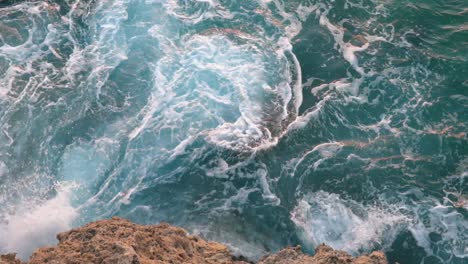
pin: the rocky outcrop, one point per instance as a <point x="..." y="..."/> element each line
<point x="119" y="241"/>
<point x="9" y="259"/>
<point x="323" y="255"/>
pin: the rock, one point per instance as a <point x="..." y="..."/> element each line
<point x="9" y="259"/>
<point x="119" y="241"/>
<point x="323" y="255"/>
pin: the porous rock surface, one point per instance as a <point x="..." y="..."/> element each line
<point x="323" y="255"/>
<point x="119" y="241"/>
<point x="9" y="259"/>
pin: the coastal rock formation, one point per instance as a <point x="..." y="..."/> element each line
<point x="119" y="241"/>
<point x="323" y="255"/>
<point x="9" y="259"/>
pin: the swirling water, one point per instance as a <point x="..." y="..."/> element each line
<point x="258" y="123"/>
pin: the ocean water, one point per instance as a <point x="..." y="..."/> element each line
<point x="257" y="123"/>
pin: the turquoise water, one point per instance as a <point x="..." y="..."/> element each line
<point x="257" y="123"/>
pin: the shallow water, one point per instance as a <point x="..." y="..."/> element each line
<point x="259" y="123"/>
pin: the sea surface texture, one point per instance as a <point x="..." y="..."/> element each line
<point x="257" y="123"/>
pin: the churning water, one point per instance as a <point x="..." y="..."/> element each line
<point x="258" y="123"/>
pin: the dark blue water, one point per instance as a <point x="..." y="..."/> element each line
<point x="257" y="123"/>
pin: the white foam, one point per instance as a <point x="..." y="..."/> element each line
<point x="3" y="169"/>
<point x="220" y="171"/>
<point x="37" y="225"/>
<point x="266" y="191"/>
<point x="324" y="217"/>
<point x="445" y="221"/>
<point x="215" y="9"/>
<point x="246" y="84"/>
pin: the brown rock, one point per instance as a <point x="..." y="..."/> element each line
<point x="9" y="259"/>
<point x="323" y="255"/>
<point x="118" y="241"/>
